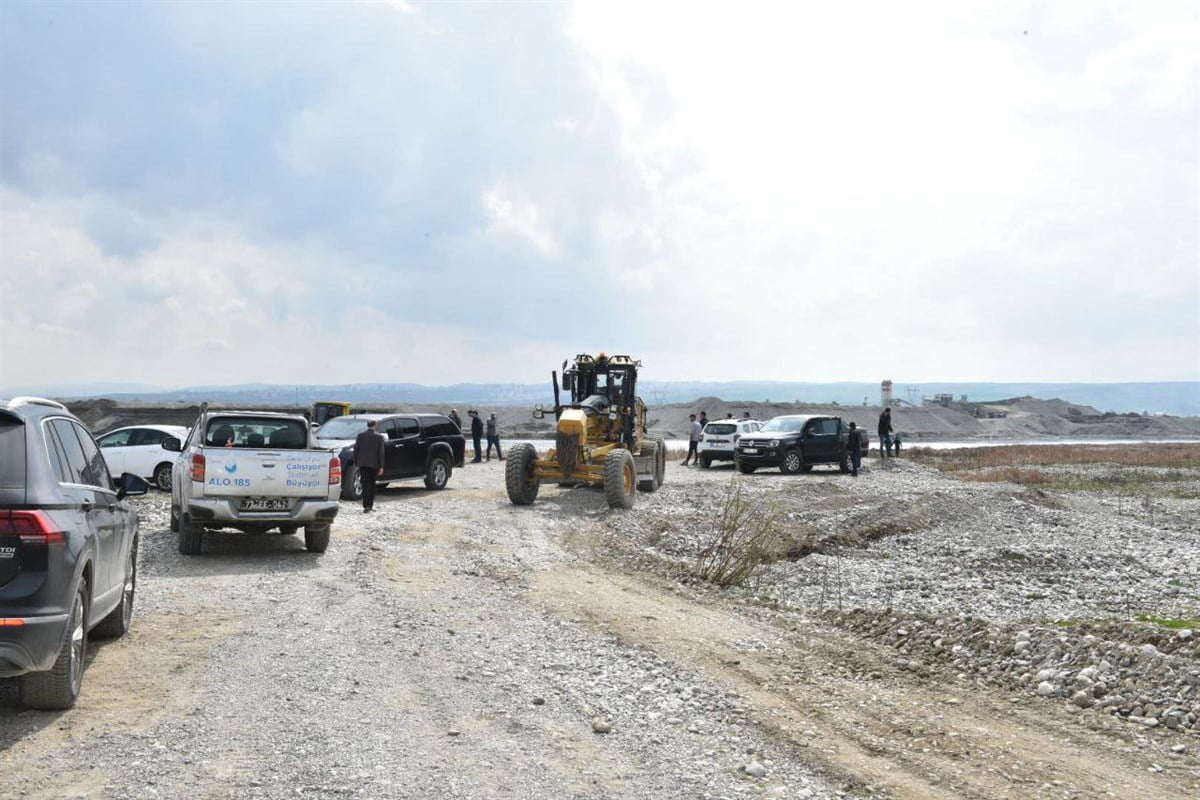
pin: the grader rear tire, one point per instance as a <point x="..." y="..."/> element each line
<point x="660" y="469"/>
<point x="650" y="451"/>
<point x="520" y="476"/>
<point x="620" y="479"/>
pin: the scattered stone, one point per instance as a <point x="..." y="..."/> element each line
<point x="755" y="770"/>
<point x="1083" y="699"/>
<point x="601" y="725"/>
<point x="539" y="701"/>
<point x="1045" y="688"/>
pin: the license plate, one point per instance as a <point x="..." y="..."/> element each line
<point x="752" y="450"/>
<point x="266" y="504"/>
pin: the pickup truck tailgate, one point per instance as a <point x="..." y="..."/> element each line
<point x="266" y="473"/>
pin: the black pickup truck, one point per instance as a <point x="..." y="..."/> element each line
<point x="794" y="443"/>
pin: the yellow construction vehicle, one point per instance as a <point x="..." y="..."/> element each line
<point x="325" y="410"/>
<point x="601" y="437"/>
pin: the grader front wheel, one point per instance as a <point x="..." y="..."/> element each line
<point x="650" y="453"/>
<point x="520" y="475"/>
<point x="620" y="479"/>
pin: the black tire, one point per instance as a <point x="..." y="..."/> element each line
<point x="437" y="473"/>
<point x="174" y="523"/>
<point x="190" y="536"/>
<point x="793" y="462"/>
<point x="520" y="474"/>
<point x="58" y="687"/>
<point x="705" y="462"/>
<point x="162" y="476"/>
<point x="660" y="470"/>
<point x="745" y="468"/>
<point x="316" y="538"/>
<point x="351" y="483"/>
<point x="650" y="452"/>
<point x="118" y="620"/>
<point x="620" y="479"/>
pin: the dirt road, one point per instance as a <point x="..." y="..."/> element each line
<point x="452" y="645"/>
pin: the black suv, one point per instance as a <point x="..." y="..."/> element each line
<point x="794" y="443"/>
<point x="68" y="549"/>
<point x="418" y="445"/>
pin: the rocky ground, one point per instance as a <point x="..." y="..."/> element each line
<point x="912" y="636"/>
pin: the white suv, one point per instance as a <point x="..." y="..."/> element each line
<point x="720" y="436"/>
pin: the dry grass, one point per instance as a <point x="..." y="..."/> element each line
<point x="746" y="537"/>
<point x="1160" y="469"/>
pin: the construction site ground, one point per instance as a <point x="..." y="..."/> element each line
<point x="452" y="645"/>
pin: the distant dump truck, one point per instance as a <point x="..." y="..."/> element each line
<point x="252" y="471"/>
<point x="600" y="439"/>
<point x="794" y="443"/>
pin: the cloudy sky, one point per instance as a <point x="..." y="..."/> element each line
<point x="202" y="193"/>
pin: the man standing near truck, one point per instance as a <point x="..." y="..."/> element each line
<point x="368" y="457"/>
<point x="854" y="445"/>
<point x="885" y="432"/>
<point x="476" y="434"/>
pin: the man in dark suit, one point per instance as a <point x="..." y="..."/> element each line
<point x="476" y="435"/>
<point x="368" y="457"/>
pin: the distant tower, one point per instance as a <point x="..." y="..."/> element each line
<point x="885" y="393"/>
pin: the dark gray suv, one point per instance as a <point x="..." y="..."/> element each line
<point x="68" y="549"/>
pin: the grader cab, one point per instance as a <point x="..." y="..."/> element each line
<point x="600" y="438"/>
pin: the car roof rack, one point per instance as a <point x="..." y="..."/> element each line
<point x="34" y="401"/>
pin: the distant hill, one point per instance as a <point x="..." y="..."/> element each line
<point x="1175" y="398"/>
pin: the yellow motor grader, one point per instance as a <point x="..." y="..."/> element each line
<point x="601" y="437"/>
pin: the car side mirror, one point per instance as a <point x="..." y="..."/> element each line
<point x="130" y="485"/>
<point x="538" y="411"/>
<point x="172" y="444"/>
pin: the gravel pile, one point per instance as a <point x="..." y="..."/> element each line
<point x="1146" y="674"/>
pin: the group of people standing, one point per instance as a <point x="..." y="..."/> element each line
<point x="479" y="429"/>
<point x="889" y="441"/>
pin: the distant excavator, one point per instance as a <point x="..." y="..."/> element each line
<point x="601" y="437"/>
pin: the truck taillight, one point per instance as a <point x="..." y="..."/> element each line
<point x="335" y="471"/>
<point x="31" y="527"/>
<point x="197" y="470"/>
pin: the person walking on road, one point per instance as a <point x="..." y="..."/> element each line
<point x="694" y="429"/>
<point x="455" y="418"/>
<point x="493" y="437"/>
<point x="368" y="458"/>
<point x="854" y="445"/>
<point x="885" y="432"/>
<point x="476" y="434"/>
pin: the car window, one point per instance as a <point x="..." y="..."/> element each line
<point x="342" y="428"/>
<point x="97" y="467"/>
<point x="77" y="464"/>
<point x="439" y="426"/>
<point x="116" y="438"/>
<point x="409" y="427"/>
<point x="823" y="427"/>
<point x="389" y="428"/>
<point x="283" y="434"/>
<point x="147" y="436"/>
<point x="58" y="458"/>
<point x="12" y="452"/>
<point x="720" y="428"/>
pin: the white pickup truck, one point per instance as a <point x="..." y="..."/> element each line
<point x="252" y="471"/>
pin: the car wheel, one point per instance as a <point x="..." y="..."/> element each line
<point x="745" y="468"/>
<point x="792" y="462"/>
<point x="174" y="523"/>
<point x="705" y="462"/>
<point x="117" y="622"/>
<point x="437" y="473"/>
<point x="316" y="538"/>
<point x="351" y="483"/>
<point x="520" y="474"/>
<point x="58" y="687"/>
<point x="620" y="479"/>
<point x="162" y="477"/>
<point x="190" y="536"/>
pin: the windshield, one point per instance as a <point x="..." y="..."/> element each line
<point x="341" y="428"/>
<point x="784" y="424"/>
<point x="720" y="427"/>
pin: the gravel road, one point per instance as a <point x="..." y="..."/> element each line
<point x="452" y="645"/>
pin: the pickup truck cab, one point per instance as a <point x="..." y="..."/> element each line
<point x="795" y="442"/>
<point x="252" y="471"/>
<point x="425" y="446"/>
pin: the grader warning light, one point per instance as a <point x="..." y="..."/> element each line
<point x="600" y="438"/>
